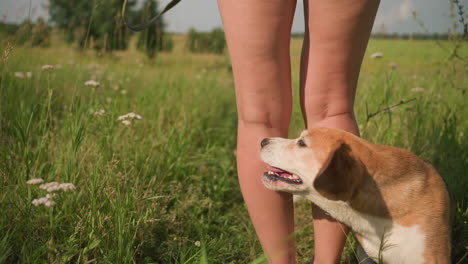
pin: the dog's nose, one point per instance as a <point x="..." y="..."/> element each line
<point x="264" y="142"/>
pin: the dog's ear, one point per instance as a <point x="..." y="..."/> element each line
<point x="334" y="180"/>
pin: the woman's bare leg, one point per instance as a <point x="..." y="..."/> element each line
<point x="335" y="40"/>
<point x="258" y="36"/>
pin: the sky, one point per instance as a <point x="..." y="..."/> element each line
<point x="203" y="15"/>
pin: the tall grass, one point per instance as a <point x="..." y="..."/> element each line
<point x="164" y="189"/>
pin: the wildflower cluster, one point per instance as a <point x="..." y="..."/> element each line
<point x="127" y="118"/>
<point x="100" y="112"/>
<point x="22" y="75"/>
<point x="52" y="188"/>
<point x="92" y="83"/>
<point x="47" y="67"/>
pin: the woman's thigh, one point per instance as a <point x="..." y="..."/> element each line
<point x="258" y="37"/>
<point x="337" y="33"/>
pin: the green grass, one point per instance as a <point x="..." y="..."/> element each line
<point x="164" y="189"/>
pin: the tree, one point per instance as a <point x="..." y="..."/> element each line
<point x="96" y="20"/>
<point x="152" y="39"/>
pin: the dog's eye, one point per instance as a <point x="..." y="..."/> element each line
<point x="301" y="143"/>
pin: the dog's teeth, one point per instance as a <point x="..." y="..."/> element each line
<point x="270" y="172"/>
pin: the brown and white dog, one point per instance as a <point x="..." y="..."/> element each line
<point x="396" y="204"/>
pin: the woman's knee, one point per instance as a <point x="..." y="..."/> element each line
<point x="328" y="96"/>
<point x="265" y="116"/>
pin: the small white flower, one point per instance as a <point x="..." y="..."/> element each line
<point x="100" y="112"/>
<point x="197" y="243"/>
<point x="49" y="203"/>
<point x="55" y="186"/>
<point x="108" y="99"/>
<point x="377" y="55"/>
<point x="130" y="115"/>
<point x="92" y="83"/>
<point x="51" y="195"/>
<point x="417" y="90"/>
<point x="50" y="186"/>
<point x="134" y="116"/>
<point x="47" y="67"/>
<point x="35" y="181"/>
<point x="393" y="65"/>
<point x="67" y="187"/>
<point x="43" y="200"/>
<point x="126" y="122"/>
<point x="29" y="74"/>
<point x="115" y="87"/>
<point x="19" y="75"/>
<point x="123" y="92"/>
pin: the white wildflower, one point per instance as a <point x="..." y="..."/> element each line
<point x="108" y="99"/>
<point x="51" y="195"/>
<point x="130" y="115"/>
<point x="92" y="83"/>
<point x="35" y="181"/>
<point x="123" y="92"/>
<point x="126" y="119"/>
<point x="393" y="65"/>
<point x="115" y="87"/>
<point x="197" y="243"/>
<point x="67" y="187"/>
<point x="377" y="55"/>
<point x="29" y="74"/>
<point x="43" y="200"/>
<point x="55" y="186"/>
<point x="49" y="203"/>
<point x="19" y="75"/>
<point x="100" y="112"/>
<point x="47" y="67"/>
<point x="50" y="186"/>
<point x="417" y="90"/>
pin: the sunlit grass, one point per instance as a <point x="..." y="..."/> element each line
<point x="163" y="189"/>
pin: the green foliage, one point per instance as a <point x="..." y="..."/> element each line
<point x="212" y="42"/>
<point x="7" y="29"/>
<point x="153" y="39"/>
<point x="27" y="33"/>
<point x="97" y="23"/>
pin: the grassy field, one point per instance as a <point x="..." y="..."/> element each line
<point x="164" y="189"/>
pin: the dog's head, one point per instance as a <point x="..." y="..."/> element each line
<point x="319" y="160"/>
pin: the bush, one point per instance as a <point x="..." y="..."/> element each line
<point x="212" y="42"/>
<point x="36" y="35"/>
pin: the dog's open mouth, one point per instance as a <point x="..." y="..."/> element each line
<point x="277" y="174"/>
